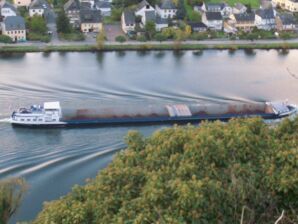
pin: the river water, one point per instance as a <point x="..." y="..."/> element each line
<point x="53" y="160"/>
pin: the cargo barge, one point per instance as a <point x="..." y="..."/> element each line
<point x="50" y="114"/>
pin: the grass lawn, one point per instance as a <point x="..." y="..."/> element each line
<point x="253" y="3"/>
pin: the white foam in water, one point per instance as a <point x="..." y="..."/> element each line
<point x="5" y="120"/>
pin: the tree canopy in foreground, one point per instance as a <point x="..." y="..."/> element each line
<point x="238" y="172"/>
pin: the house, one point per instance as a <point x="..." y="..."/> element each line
<point x="128" y="21"/>
<point x="223" y="8"/>
<point x="144" y="7"/>
<point x="199" y="7"/>
<point x="72" y="11"/>
<point x="7" y="9"/>
<point x="104" y="7"/>
<point x="160" y="23"/>
<point x="266" y="4"/>
<point x="14" y="27"/>
<point x="286" y="22"/>
<point x="91" y="3"/>
<point x="213" y="20"/>
<point x="37" y="7"/>
<point x="91" y="21"/>
<point x="239" y="8"/>
<point x="25" y="3"/>
<point x="265" y="19"/>
<point x="166" y="9"/>
<point x="290" y="5"/>
<point x="244" y="21"/>
<point x="197" y="26"/>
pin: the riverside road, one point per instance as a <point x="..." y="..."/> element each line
<point x="90" y="41"/>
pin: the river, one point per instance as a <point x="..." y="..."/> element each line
<point x="53" y="160"/>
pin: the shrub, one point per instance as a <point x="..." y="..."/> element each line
<point x="75" y="36"/>
<point x="5" y="39"/>
<point x="120" y="39"/>
<point x="11" y="194"/>
<point x="160" y="37"/>
<point x="38" y="37"/>
<point x="141" y="38"/>
<point x="242" y="171"/>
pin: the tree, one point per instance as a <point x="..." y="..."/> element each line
<point x="243" y="171"/>
<point x="187" y="31"/>
<point x="63" y="25"/>
<point x="37" y="24"/>
<point x="11" y="194"/>
<point x="100" y="39"/>
<point x="181" y="12"/>
<point x="150" y="29"/>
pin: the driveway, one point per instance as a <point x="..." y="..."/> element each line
<point x="112" y="31"/>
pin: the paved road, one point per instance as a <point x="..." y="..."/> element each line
<point x="92" y="41"/>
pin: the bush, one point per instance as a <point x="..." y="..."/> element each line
<point x="5" y="39"/>
<point x="39" y="37"/>
<point x="116" y="14"/>
<point x="120" y="39"/>
<point x="160" y="37"/>
<point x="141" y="38"/>
<point x="75" y="36"/>
<point x="242" y="171"/>
<point x="199" y="36"/>
<point x="11" y="194"/>
<point x="287" y="35"/>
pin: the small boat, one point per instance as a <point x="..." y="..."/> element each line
<point x="50" y="114"/>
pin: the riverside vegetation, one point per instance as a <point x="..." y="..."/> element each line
<point x="243" y="171"/>
<point x="11" y="193"/>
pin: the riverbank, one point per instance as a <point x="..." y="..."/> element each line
<point x="77" y="47"/>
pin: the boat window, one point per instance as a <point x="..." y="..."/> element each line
<point x="34" y="119"/>
<point x="39" y="119"/>
<point x="28" y="119"/>
<point x="22" y="119"/>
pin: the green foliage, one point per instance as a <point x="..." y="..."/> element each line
<point x="100" y="39"/>
<point x="181" y="11"/>
<point x="38" y="37"/>
<point x="5" y="39"/>
<point x="23" y="11"/>
<point x="74" y="36"/>
<point x="287" y="35"/>
<point x="141" y="38"/>
<point x="63" y="25"/>
<point x="11" y="194"/>
<point x="37" y="24"/>
<point x="120" y="39"/>
<point x="256" y="34"/>
<point x="253" y="3"/>
<point x="168" y="32"/>
<point x="199" y="36"/>
<point x="116" y="14"/>
<point x="191" y="14"/>
<point x="160" y="37"/>
<point x="150" y="29"/>
<point x="215" y="173"/>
